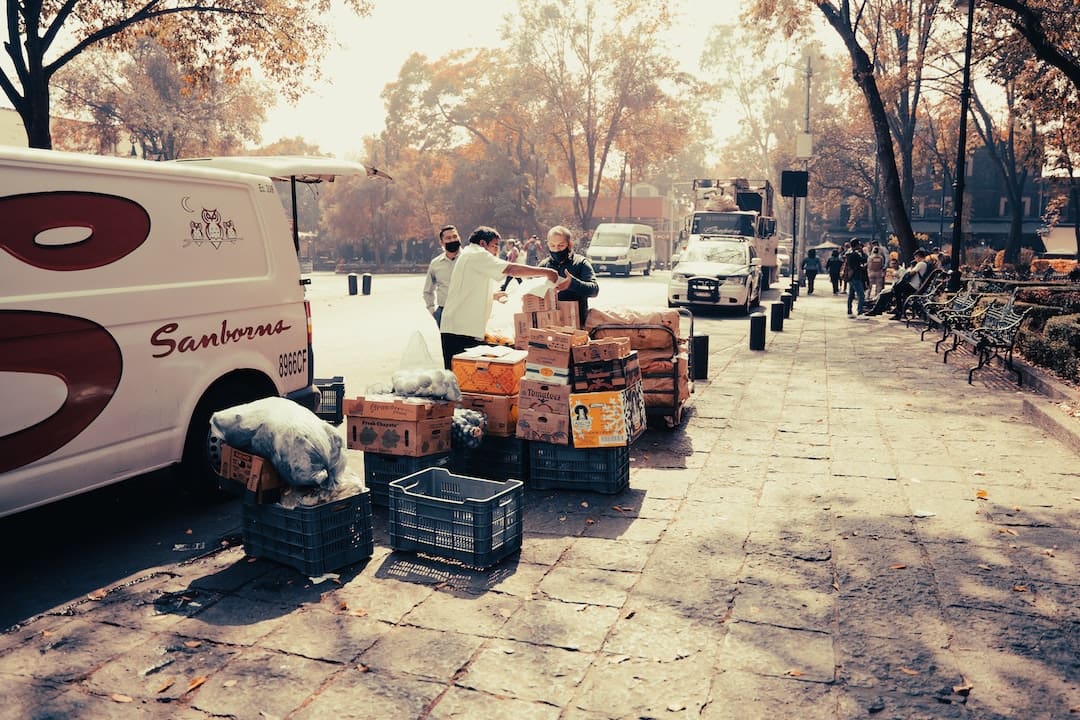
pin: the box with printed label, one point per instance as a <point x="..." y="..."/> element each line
<point x="539" y="303"/>
<point x="393" y="407"/>
<point x="524" y="321"/>
<point x="254" y="475"/>
<point x="537" y="393"/>
<point x="490" y="370"/>
<point x="607" y="419"/>
<point x="606" y="374"/>
<point x="544" y="423"/>
<point x="546" y="373"/>
<point x="605" y="349"/>
<point x="546" y="356"/>
<point x="501" y="411"/>
<point x="557" y="338"/>
<point x="399" y="437"/>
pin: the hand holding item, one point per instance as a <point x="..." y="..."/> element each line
<point x="501" y="296"/>
<point x="563" y="282"/>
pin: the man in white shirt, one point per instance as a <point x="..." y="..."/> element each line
<point x="472" y="290"/>
<point x="438" y="275"/>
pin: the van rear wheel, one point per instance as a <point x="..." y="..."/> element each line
<point x="202" y="453"/>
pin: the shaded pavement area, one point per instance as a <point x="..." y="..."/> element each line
<point x="842" y="528"/>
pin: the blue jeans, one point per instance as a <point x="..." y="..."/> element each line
<point x="855" y="288"/>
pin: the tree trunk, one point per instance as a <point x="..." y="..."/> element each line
<point x="35" y="111"/>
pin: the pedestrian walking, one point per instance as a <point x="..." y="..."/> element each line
<point x="855" y="260"/>
<point x="833" y="265"/>
<point x="875" y="272"/>
<point x="811" y="266"/>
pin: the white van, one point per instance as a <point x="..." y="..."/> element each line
<point x="622" y="248"/>
<point x="136" y="299"/>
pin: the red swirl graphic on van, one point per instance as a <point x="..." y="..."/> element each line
<point x="79" y="352"/>
<point x="116" y="226"/>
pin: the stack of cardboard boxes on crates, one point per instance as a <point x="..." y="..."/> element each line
<point x="490" y="378"/>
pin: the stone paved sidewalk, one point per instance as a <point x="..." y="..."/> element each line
<point x="843" y="528"/>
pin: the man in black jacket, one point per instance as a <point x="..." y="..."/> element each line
<point x="567" y="263"/>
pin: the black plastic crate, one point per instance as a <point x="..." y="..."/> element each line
<point x="561" y="467"/>
<point x="381" y="469"/>
<point x="474" y="521"/>
<point x="497" y="458"/>
<point x="313" y="539"/>
<point x="333" y="399"/>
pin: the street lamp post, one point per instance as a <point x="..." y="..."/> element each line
<point x="961" y="152"/>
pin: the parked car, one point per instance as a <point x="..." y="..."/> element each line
<point x="722" y="273"/>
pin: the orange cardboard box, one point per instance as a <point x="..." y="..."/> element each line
<point x="607" y="419"/>
<point x="546" y="356"/>
<point x="539" y="303"/>
<point x="604" y="349"/>
<point x="569" y="314"/>
<point x="490" y="370"/>
<point x="394" y="407"/>
<point x="540" y="393"/>
<point x="501" y="411"/>
<point x="399" y="437"/>
<point x="524" y="321"/>
<point x="556" y="337"/>
<point x="254" y="473"/>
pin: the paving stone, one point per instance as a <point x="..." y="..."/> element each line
<point x="632" y="687"/>
<point x="67" y="650"/>
<point x="662" y="633"/>
<point x="560" y="624"/>
<point x="430" y="654"/>
<point x="526" y="672"/>
<point x="638" y="530"/>
<point x="355" y="695"/>
<point x="461" y="703"/>
<point x="234" y="620"/>
<point x="588" y="585"/>
<point x="324" y="635"/>
<point x="777" y="651"/>
<point x="605" y="554"/>
<point x="737" y="695"/>
<point x="1008" y="685"/>
<point x="480" y="613"/>
<point x="544" y="549"/>
<point x="389" y="598"/>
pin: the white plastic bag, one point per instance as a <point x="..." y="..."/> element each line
<point x="420" y="376"/>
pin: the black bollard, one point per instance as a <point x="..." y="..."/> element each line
<point x="757" y="330"/>
<point x="794" y="291"/>
<point x="352" y="283"/>
<point x="776" y="316"/>
<point x="366" y="283"/>
<point x="786" y="299"/>
<point x="699" y="348"/>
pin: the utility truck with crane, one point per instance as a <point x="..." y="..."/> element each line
<point x="734" y="208"/>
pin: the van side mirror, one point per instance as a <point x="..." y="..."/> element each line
<point x="768" y="227"/>
<point x="634" y="244"/>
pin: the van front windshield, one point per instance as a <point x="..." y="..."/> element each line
<point x="610" y="240"/>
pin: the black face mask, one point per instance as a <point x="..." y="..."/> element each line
<point x="560" y="256"/>
<point x="453" y="246"/>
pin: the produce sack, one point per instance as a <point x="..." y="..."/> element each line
<point x="420" y="376"/>
<point x="306" y="451"/>
<point x="641" y="338"/>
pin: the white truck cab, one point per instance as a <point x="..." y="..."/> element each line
<point x="136" y="299"/>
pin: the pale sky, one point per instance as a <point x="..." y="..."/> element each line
<point x="344" y="107"/>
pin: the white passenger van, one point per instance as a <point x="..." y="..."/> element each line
<point x="622" y="248"/>
<point x="136" y="299"/>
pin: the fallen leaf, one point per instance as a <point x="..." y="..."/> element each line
<point x="358" y="613"/>
<point x="1020" y="588"/>
<point x="343" y="606"/>
<point x="192" y="644"/>
<point x="47" y="633"/>
<point x="985" y="567"/>
<point x="794" y="673"/>
<point x="897" y="566"/>
<point x="363" y="668"/>
<point x="909" y="671"/>
<point x="620" y="508"/>
<point x="197" y="682"/>
<point x="166" y="683"/>
<point x="229" y="683"/>
<point x="118" y="697"/>
<point x="982" y="494"/>
<point x="963" y="689"/>
<point x="836" y="586"/>
<point x="1007" y="531"/>
<point x="96" y="594"/>
<point x="1048" y="551"/>
<point x="676" y="707"/>
<point x="584" y="503"/>
<point x="590" y="521"/>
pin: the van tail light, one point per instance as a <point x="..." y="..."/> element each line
<point x="307" y="313"/>
<point x="310" y="349"/>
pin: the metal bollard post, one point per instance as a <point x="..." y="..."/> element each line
<point x="786" y="299"/>
<point x="352" y="283"/>
<point x="366" y="283"/>
<point x="757" y="330"/>
<point x="776" y="316"/>
<point x="794" y="291"/>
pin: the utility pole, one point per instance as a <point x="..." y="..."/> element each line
<point x="804" y="151"/>
<point x="961" y="155"/>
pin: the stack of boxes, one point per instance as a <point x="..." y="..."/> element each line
<point x="490" y="378"/>
<point x="399" y="436"/>
<point x="544" y="397"/>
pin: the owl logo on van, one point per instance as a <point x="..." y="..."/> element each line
<point x="197" y="235"/>
<point x="209" y="228"/>
<point x="214" y="231"/>
<point x="230" y="230"/>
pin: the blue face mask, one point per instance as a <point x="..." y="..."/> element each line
<point x="560" y="256"/>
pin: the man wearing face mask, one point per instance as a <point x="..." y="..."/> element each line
<point x="577" y="268"/>
<point x="438" y="275"/>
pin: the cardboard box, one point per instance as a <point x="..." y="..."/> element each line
<point x="548" y="374"/>
<point x="490" y="370"/>
<point x="257" y="477"/>
<point x="539" y="303"/>
<point x="606" y="374"/>
<point x="569" y="314"/>
<point x="604" y="349"/>
<point x="524" y="321"/>
<point x="501" y="411"/>
<point x="393" y="407"/>
<point x="557" y="338"/>
<point x="607" y="419"/>
<point x="546" y="356"/>
<point x="545" y="424"/>
<point x="539" y="393"/>
<point x="399" y="437"/>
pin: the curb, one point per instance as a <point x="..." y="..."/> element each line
<point x="1051" y="421"/>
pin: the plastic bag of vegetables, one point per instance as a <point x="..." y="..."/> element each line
<point x="468" y="427"/>
<point x="435" y="383"/>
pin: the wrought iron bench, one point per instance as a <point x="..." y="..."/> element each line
<point x="994" y="336"/>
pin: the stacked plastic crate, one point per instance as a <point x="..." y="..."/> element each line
<point x="605" y="412"/>
<point x="399" y="436"/>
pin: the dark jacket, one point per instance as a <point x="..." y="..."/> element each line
<point x="833" y="265"/>
<point x="583" y="285"/>
<point x="856" y="260"/>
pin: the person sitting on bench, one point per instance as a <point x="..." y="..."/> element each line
<point x="905" y="286"/>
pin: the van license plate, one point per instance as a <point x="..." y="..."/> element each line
<point x="703" y="290"/>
